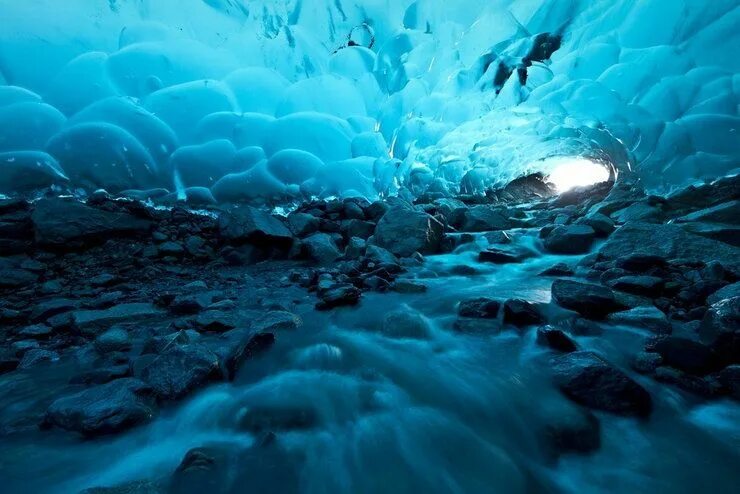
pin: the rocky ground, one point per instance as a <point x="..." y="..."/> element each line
<point x="124" y="309"/>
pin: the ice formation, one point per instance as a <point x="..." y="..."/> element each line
<point x="279" y="99"/>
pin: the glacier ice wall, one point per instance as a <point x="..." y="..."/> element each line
<point x="268" y="100"/>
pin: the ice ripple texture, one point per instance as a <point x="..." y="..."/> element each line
<point x="275" y="100"/>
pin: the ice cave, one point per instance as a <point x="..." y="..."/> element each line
<point x="369" y="246"/>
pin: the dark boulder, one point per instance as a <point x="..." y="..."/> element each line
<point x="180" y="370"/>
<point x="593" y="301"/>
<point x="404" y="231"/>
<point x="337" y="295"/>
<point x="522" y="313"/>
<point x="555" y="338"/>
<point x="482" y="308"/>
<point x="67" y="223"/>
<point x="104" y="409"/>
<point x="649" y="286"/>
<point x="247" y="224"/>
<point x="504" y="255"/>
<point x="720" y="330"/>
<point x="320" y="247"/>
<point x="685" y="354"/>
<point x="485" y="218"/>
<point x="570" y="239"/>
<point x="591" y="381"/>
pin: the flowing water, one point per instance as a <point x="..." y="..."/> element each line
<point x="440" y="413"/>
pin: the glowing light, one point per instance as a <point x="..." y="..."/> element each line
<point x="576" y="172"/>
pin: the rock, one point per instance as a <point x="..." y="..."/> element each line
<point x="646" y="362"/>
<point x="8" y="361"/>
<point x="337" y="295"/>
<point x="504" y="255"/>
<point x="407" y="286"/>
<point x="483" y="308"/>
<point x="215" y="320"/>
<point x="589" y="380"/>
<point x="729" y="291"/>
<point x="726" y="212"/>
<point x="720" y="330"/>
<point x="576" y="431"/>
<point x="355" y="248"/>
<point x="136" y="487"/>
<point x="667" y="242"/>
<point x="602" y="224"/>
<point x="646" y="317"/>
<point x="593" y="301"/>
<point x="649" y="286"/>
<point x="686" y="355"/>
<point x="49" y="308"/>
<point x="104" y="409"/>
<point x="556" y="339"/>
<point x="180" y="370"/>
<point x="484" y="218"/>
<point x="90" y="322"/>
<point x="103" y="280"/>
<point x="277" y="320"/>
<point x="191" y="303"/>
<point x="66" y="223"/>
<point x="321" y="248"/>
<point x="358" y="228"/>
<point x="570" y="239"/>
<point x="522" y="313"/>
<point x="37" y="331"/>
<point x="380" y="255"/>
<point x="403" y="231"/>
<point x="406" y="324"/>
<point x="102" y="375"/>
<point x="729" y="378"/>
<point x="639" y="263"/>
<point x="201" y="470"/>
<point x="265" y="418"/>
<point x="171" y="248"/>
<point x="559" y="269"/>
<point x="250" y="225"/>
<point x="36" y="356"/>
<point x="705" y="387"/>
<point x="303" y="224"/>
<point x="240" y="347"/>
<point x="116" y="339"/>
<point x="16" y="278"/>
<point x="729" y="234"/>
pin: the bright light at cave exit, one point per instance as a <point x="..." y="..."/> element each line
<point x="576" y="172"/>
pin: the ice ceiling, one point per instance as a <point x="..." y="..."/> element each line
<point x="280" y="99"/>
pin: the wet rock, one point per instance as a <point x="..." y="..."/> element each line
<point x="338" y="295"/>
<point x="250" y="225"/>
<point x="277" y="321"/>
<point x="667" y="242"/>
<point x="570" y="239"/>
<point x="504" y="255"/>
<point x="602" y="224"/>
<point x="591" y="381"/>
<point x="702" y="386"/>
<point x="16" y="278"/>
<point x="102" y="375"/>
<point x="720" y="330"/>
<point x="408" y="286"/>
<point x="485" y="218"/>
<point x="116" y="339"/>
<point x="726" y="212"/>
<point x="729" y="234"/>
<point x="685" y="354"/>
<point x="729" y="378"/>
<point x="358" y="228"/>
<point x="729" y="291"/>
<point x="171" y="248"/>
<point x="576" y="432"/>
<point x="522" y="313"/>
<point x="646" y="317"/>
<point x="556" y="339"/>
<point x="320" y="247"/>
<point x="403" y="231"/>
<point x="241" y="346"/>
<point x="355" y="248"/>
<point x="90" y="322"/>
<point x="67" y="223"/>
<point x="8" y="361"/>
<point x="303" y="224"/>
<point x="559" y="269"/>
<point x="215" y="321"/>
<point x="201" y="470"/>
<point x="646" y="362"/>
<point x="36" y="331"/>
<point x="380" y="255"/>
<point x="638" y="263"/>
<point x="37" y="356"/>
<point x="593" y="301"/>
<point x="482" y="308"/>
<point x="136" y="487"/>
<point x="180" y="370"/>
<point x="191" y="303"/>
<point x="649" y="286"/>
<point x="406" y="324"/>
<point x="49" y="308"/>
<point x="104" y="409"/>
